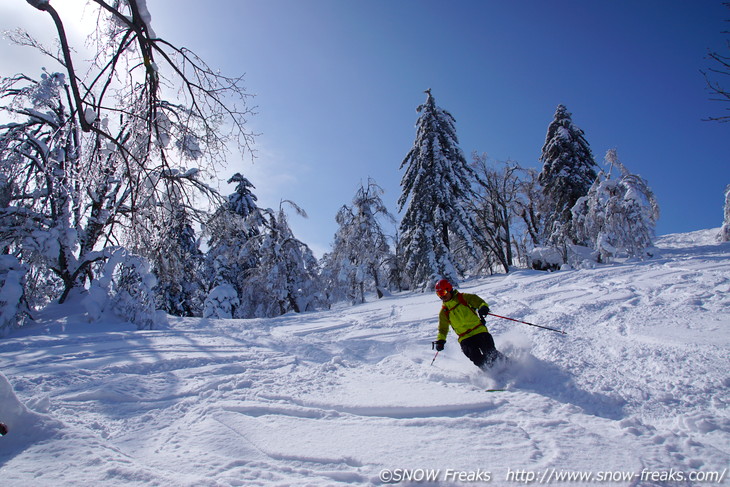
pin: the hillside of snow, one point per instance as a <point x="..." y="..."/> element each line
<point x="636" y="393"/>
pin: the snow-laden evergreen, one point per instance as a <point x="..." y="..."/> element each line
<point x="124" y="286"/>
<point x="256" y="266"/>
<point x="178" y="265"/>
<point x="231" y="254"/>
<point x="618" y="216"/>
<point x="637" y="391"/>
<point x="222" y="301"/>
<point x="286" y="275"/>
<point x="360" y="256"/>
<point x="436" y="188"/>
<point x="568" y="172"/>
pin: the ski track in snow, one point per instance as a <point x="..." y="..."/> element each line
<point x="640" y="381"/>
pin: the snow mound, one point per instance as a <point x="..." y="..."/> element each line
<point x="25" y="427"/>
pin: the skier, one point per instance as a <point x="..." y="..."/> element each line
<point x="466" y="314"/>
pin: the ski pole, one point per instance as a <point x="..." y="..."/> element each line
<point x="526" y="323"/>
<point x="433" y="345"/>
<point x="434" y="357"/>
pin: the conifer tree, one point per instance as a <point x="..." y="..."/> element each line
<point x="435" y="188"/>
<point x="232" y="256"/>
<point x="286" y="274"/>
<point x="178" y="265"/>
<point x="568" y="172"/>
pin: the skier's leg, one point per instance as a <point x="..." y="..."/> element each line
<point x="472" y="348"/>
<point x="490" y="352"/>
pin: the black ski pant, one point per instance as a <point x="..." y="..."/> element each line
<point x="481" y="350"/>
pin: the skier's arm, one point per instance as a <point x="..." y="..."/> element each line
<point x="474" y="301"/>
<point x="478" y="304"/>
<point x="443" y="326"/>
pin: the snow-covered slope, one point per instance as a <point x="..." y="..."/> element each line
<point x="636" y="393"/>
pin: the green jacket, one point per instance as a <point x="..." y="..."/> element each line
<point x="463" y="319"/>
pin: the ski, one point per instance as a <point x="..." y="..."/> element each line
<point x="495" y="390"/>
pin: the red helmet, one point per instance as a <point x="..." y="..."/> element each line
<point x="443" y="287"/>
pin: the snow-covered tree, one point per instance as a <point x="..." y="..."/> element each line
<point x="178" y="265"/>
<point x="360" y="251"/>
<point x="232" y="253"/>
<point x="123" y="284"/>
<point x="286" y="274"/>
<point x="13" y="305"/>
<point x="396" y="264"/>
<point x="221" y="302"/>
<point x="618" y="215"/>
<point x="725" y="234"/>
<point x="89" y="160"/>
<point x="56" y="202"/>
<point x="567" y="174"/>
<point x="436" y="187"/>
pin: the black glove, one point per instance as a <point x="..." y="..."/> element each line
<point x="483" y="312"/>
<point x="438" y="344"/>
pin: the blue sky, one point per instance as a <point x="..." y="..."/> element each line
<point x="337" y="83"/>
